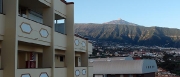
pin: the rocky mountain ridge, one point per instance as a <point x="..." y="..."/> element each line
<point x="130" y="33"/>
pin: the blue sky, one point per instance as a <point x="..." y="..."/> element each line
<point x="163" y="13"/>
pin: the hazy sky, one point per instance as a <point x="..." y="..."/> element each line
<point x="164" y="13"/>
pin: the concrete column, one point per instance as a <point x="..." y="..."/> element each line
<point x="70" y="53"/>
<point x="49" y="52"/>
<point x="84" y="57"/>
<point x="10" y="41"/>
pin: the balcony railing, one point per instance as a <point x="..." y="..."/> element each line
<point x="60" y="41"/>
<point x="60" y="8"/>
<point x="60" y="72"/>
<point x="30" y="31"/>
<point x="34" y="20"/>
<point x="90" y="71"/>
<point x="46" y="2"/>
<point x="81" y="71"/>
<point x="90" y="48"/>
<point x="34" y="72"/>
<point x="60" y="28"/>
<point x="80" y="44"/>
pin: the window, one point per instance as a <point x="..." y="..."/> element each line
<point x="35" y="16"/>
<point x="60" y="26"/>
<point x="1" y="6"/>
<point x="61" y="58"/>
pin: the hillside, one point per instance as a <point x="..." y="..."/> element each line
<point x="120" y="21"/>
<point x="130" y="34"/>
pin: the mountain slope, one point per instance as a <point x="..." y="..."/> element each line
<point x="120" y="21"/>
<point x="130" y="34"/>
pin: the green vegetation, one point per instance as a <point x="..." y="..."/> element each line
<point x="169" y="64"/>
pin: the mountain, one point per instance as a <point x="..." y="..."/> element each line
<point x="120" y="21"/>
<point x="130" y="34"/>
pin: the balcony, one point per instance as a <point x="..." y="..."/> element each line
<point x="60" y="41"/>
<point x="90" y="48"/>
<point x="60" y="8"/>
<point x="60" y="59"/>
<point x="39" y="3"/>
<point x="81" y="71"/>
<point x="2" y="23"/>
<point x="46" y="2"/>
<point x="60" y="72"/>
<point x="44" y="72"/>
<point x="33" y="32"/>
<point x="80" y="44"/>
<point x="90" y="71"/>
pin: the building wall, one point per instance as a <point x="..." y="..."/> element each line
<point x="60" y="8"/>
<point x="98" y="75"/>
<point x="59" y="63"/>
<point x="134" y="75"/>
<point x="34" y="72"/>
<point x="149" y="74"/>
<point x="79" y="46"/>
<point x="1" y="73"/>
<point x="25" y="56"/>
<point x="0" y="44"/>
<point x="60" y="44"/>
<point x="59" y="52"/>
<point x="38" y="35"/>
<point x="60" y="72"/>
<point x="0" y="60"/>
<point x="39" y="65"/>
<point x="21" y="60"/>
<point x="2" y="22"/>
<point x="149" y="66"/>
<point x="90" y="71"/>
<point x="1" y="8"/>
<point x="77" y="59"/>
<point x="125" y="75"/>
<point x="26" y="47"/>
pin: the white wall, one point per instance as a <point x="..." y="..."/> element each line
<point x="149" y="66"/>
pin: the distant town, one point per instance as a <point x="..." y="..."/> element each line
<point x="167" y="58"/>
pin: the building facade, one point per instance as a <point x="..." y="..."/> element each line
<point x="122" y="67"/>
<point x="30" y="46"/>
